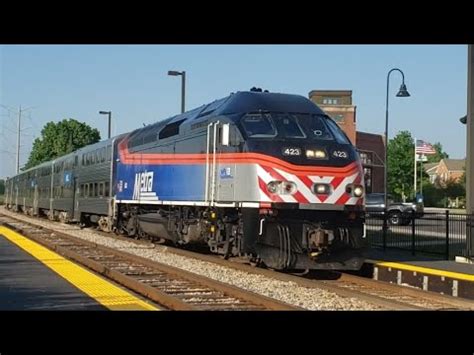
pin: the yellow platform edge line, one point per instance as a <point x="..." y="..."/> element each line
<point x="425" y="270"/>
<point x="101" y="290"/>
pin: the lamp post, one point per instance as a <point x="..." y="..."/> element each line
<point x="402" y="92"/>
<point x="110" y="118"/>
<point x="183" y="85"/>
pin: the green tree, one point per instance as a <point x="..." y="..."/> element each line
<point x="440" y="154"/>
<point x="462" y="180"/>
<point x="61" y="138"/>
<point x="2" y="186"/>
<point x="454" y="189"/>
<point x="401" y="161"/>
<point x="433" y="196"/>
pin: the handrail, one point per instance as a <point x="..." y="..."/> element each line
<point x="207" y="162"/>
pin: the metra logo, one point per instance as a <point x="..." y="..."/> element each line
<point x="226" y="173"/>
<point x="143" y="185"/>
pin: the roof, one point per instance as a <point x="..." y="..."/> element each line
<point x="430" y="166"/>
<point x="330" y="92"/>
<point x="455" y="164"/>
<point x="245" y="101"/>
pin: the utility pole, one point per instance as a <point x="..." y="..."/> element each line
<point x="18" y="139"/>
<point x="470" y="147"/>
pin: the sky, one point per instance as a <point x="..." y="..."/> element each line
<point x="54" y="82"/>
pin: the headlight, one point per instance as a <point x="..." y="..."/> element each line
<point x="272" y="187"/>
<point x="323" y="189"/>
<point x="282" y="187"/>
<point x="355" y="190"/>
<point x="358" y="191"/>
<point x="315" y="154"/>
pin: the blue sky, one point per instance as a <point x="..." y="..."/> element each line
<point x="72" y="81"/>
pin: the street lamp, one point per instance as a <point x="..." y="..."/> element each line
<point x="110" y="118"/>
<point x="402" y="92"/>
<point x="183" y="85"/>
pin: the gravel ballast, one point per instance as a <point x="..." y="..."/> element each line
<point x="289" y="292"/>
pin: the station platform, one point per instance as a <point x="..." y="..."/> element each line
<point x="33" y="277"/>
<point x="428" y="273"/>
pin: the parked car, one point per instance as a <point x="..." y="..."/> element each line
<point x="399" y="213"/>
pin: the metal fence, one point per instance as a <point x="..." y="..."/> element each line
<point x="442" y="234"/>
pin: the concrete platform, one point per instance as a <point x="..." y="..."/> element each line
<point x="35" y="278"/>
<point x="442" y="276"/>
<point x="422" y="261"/>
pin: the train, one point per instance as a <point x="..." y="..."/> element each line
<point x="264" y="176"/>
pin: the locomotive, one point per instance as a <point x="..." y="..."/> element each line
<point x="265" y="176"/>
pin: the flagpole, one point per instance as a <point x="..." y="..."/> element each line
<point x="421" y="175"/>
<point x="414" y="185"/>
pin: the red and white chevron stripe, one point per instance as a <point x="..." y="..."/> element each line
<point x="305" y="183"/>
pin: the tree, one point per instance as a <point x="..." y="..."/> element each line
<point x="61" y="138"/>
<point x="440" y="154"/>
<point x="401" y="161"/>
<point x="2" y="186"/>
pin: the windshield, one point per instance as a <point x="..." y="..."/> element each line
<point x="258" y="125"/>
<point x="337" y="132"/>
<point x="287" y="126"/>
<point x="292" y="125"/>
<point x="314" y="126"/>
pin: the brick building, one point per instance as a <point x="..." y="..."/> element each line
<point x="445" y="170"/>
<point x="338" y="105"/>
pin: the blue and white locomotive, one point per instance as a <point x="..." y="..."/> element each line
<point x="261" y="175"/>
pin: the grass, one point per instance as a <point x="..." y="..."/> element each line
<point x="2" y="198"/>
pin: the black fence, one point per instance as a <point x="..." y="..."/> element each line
<point x="441" y="234"/>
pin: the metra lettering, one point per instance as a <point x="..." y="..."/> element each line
<point x="143" y="183"/>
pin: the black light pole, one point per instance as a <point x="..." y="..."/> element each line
<point x="110" y="118"/>
<point x="183" y="85"/>
<point x="402" y="92"/>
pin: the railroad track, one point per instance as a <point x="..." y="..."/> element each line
<point x="382" y="294"/>
<point x="170" y="287"/>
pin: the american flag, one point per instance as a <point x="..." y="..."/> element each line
<point x="423" y="147"/>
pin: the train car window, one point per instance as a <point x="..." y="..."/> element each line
<point x="96" y="190"/>
<point x="81" y="190"/>
<point x="170" y="130"/>
<point x="102" y="154"/>
<point x="258" y="125"/>
<point x="314" y="126"/>
<point x="101" y="189"/>
<point x="341" y="137"/>
<point x="106" y="188"/>
<point x="76" y="161"/>
<point x="287" y="126"/>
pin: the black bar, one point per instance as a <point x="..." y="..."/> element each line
<point x="447" y="234"/>
<point x="384" y="230"/>
<point x="413" y="232"/>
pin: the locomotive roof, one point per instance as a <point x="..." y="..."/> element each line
<point x="241" y="102"/>
<point x="245" y="101"/>
<point x="248" y="101"/>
